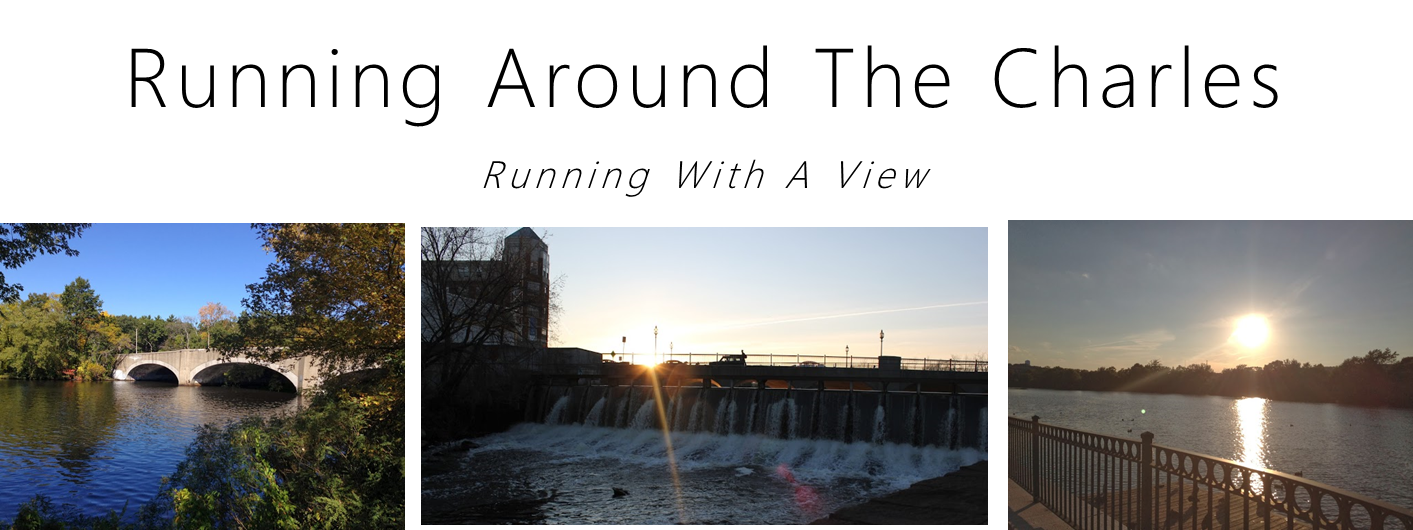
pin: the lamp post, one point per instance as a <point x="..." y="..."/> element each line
<point x="625" y="347"/>
<point x="655" y="343"/>
<point x="849" y="360"/>
<point x="880" y="343"/>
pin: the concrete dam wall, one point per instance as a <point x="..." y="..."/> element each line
<point x="950" y="421"/>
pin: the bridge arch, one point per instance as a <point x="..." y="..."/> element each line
<point x="210" y="369"/>
<point x="150" y="370"/>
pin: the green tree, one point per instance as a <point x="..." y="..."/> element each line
<point x="152" y="333"/>
<point x="335" y="291"/>
<point x="31" y="345"/>
<point x="82" y="309"/>
<point x="21" y="242"/>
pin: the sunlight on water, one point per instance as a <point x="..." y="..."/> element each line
<point x="1251" y="415"/>
<point x="1251" y="418"/>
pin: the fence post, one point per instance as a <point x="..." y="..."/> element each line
<point x="1145" y="483"/>
<point x="1035" y="459"/>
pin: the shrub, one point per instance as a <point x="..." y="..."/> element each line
<point x="337" y="464"/>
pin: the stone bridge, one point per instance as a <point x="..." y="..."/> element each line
<point x="195" y="367"/>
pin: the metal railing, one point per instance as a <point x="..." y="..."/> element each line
<point x="1095" y="481"/>
<point x="822" y="361"/>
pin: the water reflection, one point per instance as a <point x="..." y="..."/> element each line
<point x="101" y="446"/>
<point x="1251" y="431"/>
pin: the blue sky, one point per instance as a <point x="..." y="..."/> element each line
<point x="154" y="269"/>
<point x="1091" y="294"/>
<point x="786" y="291"/>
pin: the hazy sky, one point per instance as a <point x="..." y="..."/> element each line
<point x="786" y="291"/>
<point x="1091" y="294"/>
<point x="154" y="269"/>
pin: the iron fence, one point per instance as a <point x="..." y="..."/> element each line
<point x="1093" y="481"/>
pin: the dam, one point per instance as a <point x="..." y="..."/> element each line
<point x="949" y="421"/>
<point x="915" y="402"/>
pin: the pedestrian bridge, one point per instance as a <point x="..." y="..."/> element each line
<point x="200" y="366"/>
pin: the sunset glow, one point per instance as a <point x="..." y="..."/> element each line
<point x="1252" y="331"/>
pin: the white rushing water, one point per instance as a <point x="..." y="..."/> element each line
<point x="732" y="456"/>
<point x="595" y="416"/>
<point x="556" y="413"/>
<point x="644" y="418"/>
<point x="894" y="465"/>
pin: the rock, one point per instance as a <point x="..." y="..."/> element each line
<point x="619" y="492"/>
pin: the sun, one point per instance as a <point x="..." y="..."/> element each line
<point x="1252" y="331"/>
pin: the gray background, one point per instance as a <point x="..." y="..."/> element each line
<point x="1334" y="147"/>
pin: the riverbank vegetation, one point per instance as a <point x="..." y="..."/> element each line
<point x="68" y="335"/>
<point x="335" y="293"/>
<point x="1375" y="379"/>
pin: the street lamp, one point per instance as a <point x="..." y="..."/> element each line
<point x="655" y="342"/>
<point x="880" y="343"/>
<point x="625" y="347"/>
<point x="848" y="359"/>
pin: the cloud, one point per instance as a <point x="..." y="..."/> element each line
<point x="1134" y="343"/>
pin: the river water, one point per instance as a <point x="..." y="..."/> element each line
<point x="1364" y="450"/>
<point x="545" y="473"/>
<point x="99" y="446"/>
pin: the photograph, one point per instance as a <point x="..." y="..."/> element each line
<point x="202" y="375"/>
<point x="704" y="375"/>
<point x="1210" y="374"/>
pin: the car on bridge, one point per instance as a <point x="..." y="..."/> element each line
<point x="731" y="360"/>
<point x="810" y="364"/>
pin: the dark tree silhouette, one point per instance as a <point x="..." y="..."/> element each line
<point x="1376" y="379"/>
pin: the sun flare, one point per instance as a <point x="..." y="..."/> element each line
<point x="1251" y="331"/>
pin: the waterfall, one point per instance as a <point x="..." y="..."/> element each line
<point x="644" y="418"/>
<point x="880" y="425"/>
<point x="556" y="413"/>
<point x="809" y="460"/>
<point x="780" y="419"/>
<point x="694" y="418"/>
<point x="725" y="419"/>
<point x="751" y="416"/>
<point x="844" y="417"/>
<point x="676" y="420"/>
<point x="925" y="418"/>
<point x="595" y="416"/>
<point x="912" y="424"/>
<point x="622" y="420"/>
<point x="982" y="445"/>
<point x="794" y="418"/>
<point x="949" y="425"/>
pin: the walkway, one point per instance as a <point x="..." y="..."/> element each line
<point x="1024" y="514"/>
